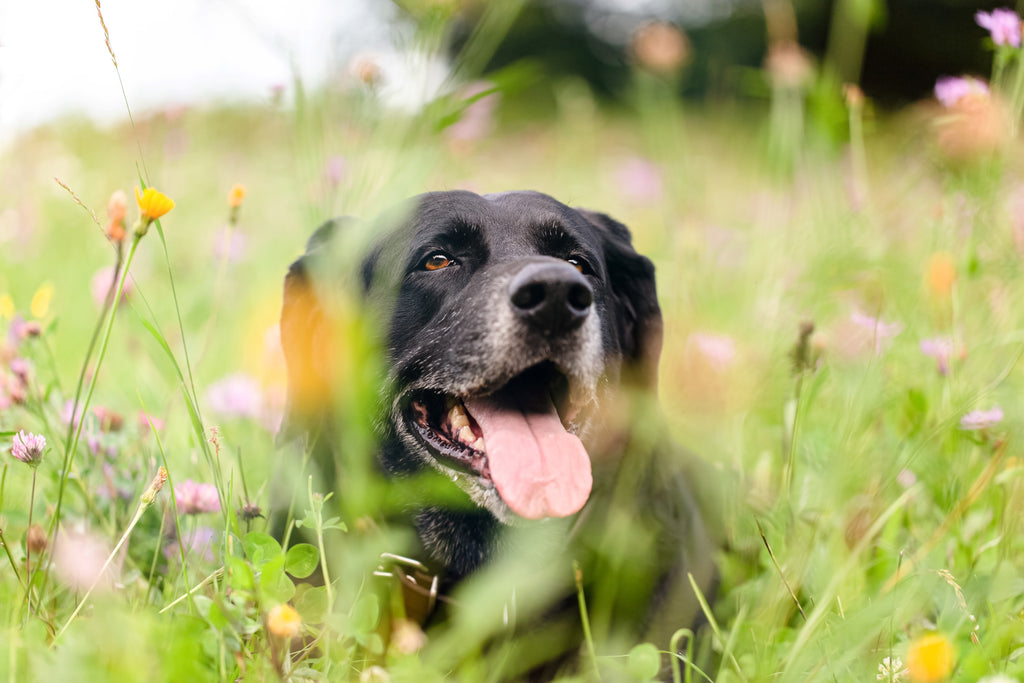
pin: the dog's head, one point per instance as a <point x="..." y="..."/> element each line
<point x="511" y="317"/>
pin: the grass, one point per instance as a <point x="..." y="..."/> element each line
<point x="857" y="515"/>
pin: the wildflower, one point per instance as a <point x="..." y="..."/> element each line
<point x="35" y="539"/>
<point x="20" y="368"/>
<point x="407" y="637"/>
<point x="951" y="89"/>
<point x="1002" y="24"/>
<point x="906" y="478"/>
<point x="981" y="419"/>
<point x="117" y="209"/>
<point x="103" y="285"/>
<point x="941" y="275"/>
<point x="718" y="350"/>
<point x="152" y="205"/>
<point x="891" y="669"/>
<point x="194" y="498"/>
<point x="249" y="511"/>
<point x="930" y="658"/>
<point x="879" y="330"/>
<point x="477" y="119"/>
<point x="975" y="123"/>
<point x="334" y="169"/>
<point x="639" y="180"/>
<point x="78" y="559"/>
<point x="6" y="306"/>
<point x="235" y="196"/>
<point x="789" y="65"/>
<point x="148" y="423"/>
<point x="375" y="674"/>
<point x="229" y="245"/>
<point x="154" y="487"/>
<point x="28" y="448"/>
<point x="660" y="47"/>
<point x="40" y="304"/>
<point x="284" y="622"/>
<point x="108" y="419"/>
<point x="941" y="350"/>
<point x="237" y="395"/>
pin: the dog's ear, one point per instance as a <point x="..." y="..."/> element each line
<point x="637" y="313"/>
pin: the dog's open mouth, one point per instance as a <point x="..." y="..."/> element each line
<point x="513" y="438"/>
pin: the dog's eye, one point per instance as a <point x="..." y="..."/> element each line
<point x="437" y="261"/>
<point x="579" y="264"/>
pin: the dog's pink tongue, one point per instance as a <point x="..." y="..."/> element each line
<point x="539" y="469"/>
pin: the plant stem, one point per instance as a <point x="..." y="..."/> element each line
<point x="28" y="547"/>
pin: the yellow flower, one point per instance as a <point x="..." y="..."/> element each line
<point x="153" y="204"/>
<point x="941" y="275"/>
<point x="930" y="658"/>
<point x="6" y="306"/>
<point x="236" y="195"/>
<point x="40" y="305"/>
<point x="284" y="622"/>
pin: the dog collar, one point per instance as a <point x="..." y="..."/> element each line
<point x="420" y="589"/>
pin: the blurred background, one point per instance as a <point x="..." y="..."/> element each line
<point x="53" y="61"/>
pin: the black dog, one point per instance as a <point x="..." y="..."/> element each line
<point x="522" y="349"/>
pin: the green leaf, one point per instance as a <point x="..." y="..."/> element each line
<point x="240" y="576"/>
<point x="366" y="613"/>
<point x="260" y="547"/>
<point x="275" y="586"/>
<point x="301" y="560"/>
<point x="311" y="603"/>
<point x="644" y="662"/>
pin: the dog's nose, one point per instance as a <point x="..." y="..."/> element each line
<point x="552" y="297"/>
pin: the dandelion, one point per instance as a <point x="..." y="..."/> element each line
<point x="28" y="448"/>
<point x="930" y="658"/>
<point x="1003" y="26"/>
<point x="235" y="196"/>
<point x="194" y="498"/>
<point x="941" y="275"/>
<point x="152" y="204"/>
<point x="981" y="419"/>
<point x="284" y="622"/>
<point x="6" y="307"/>
<point x="941" y="349"/>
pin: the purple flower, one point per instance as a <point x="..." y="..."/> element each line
<point x="1002" y="24"/>
<point x="719" y="350"/>
<point x="20" y="367"/>
<point x="28" y="448"/>
<point x="237" y="395"/>
<point x="981" y="419"/>
<point x="334" y="169"/>
<point x="941" y="350"/>
<point x="879" y="330"/>
<point x="477" y="119"/>
<point x="194" y="498"/>
<point x="951" y="89"/>
<point x="229" y="245"/>
<point x="640" y="180"/>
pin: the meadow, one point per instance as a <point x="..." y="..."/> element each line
<point x="842" y="348"/>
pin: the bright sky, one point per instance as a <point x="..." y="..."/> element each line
<point x="53" y="59"/>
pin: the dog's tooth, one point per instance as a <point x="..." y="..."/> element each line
<point x="457" y="416"/>
<point x="465" y="435"/>
<point x="478" y="445"/>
